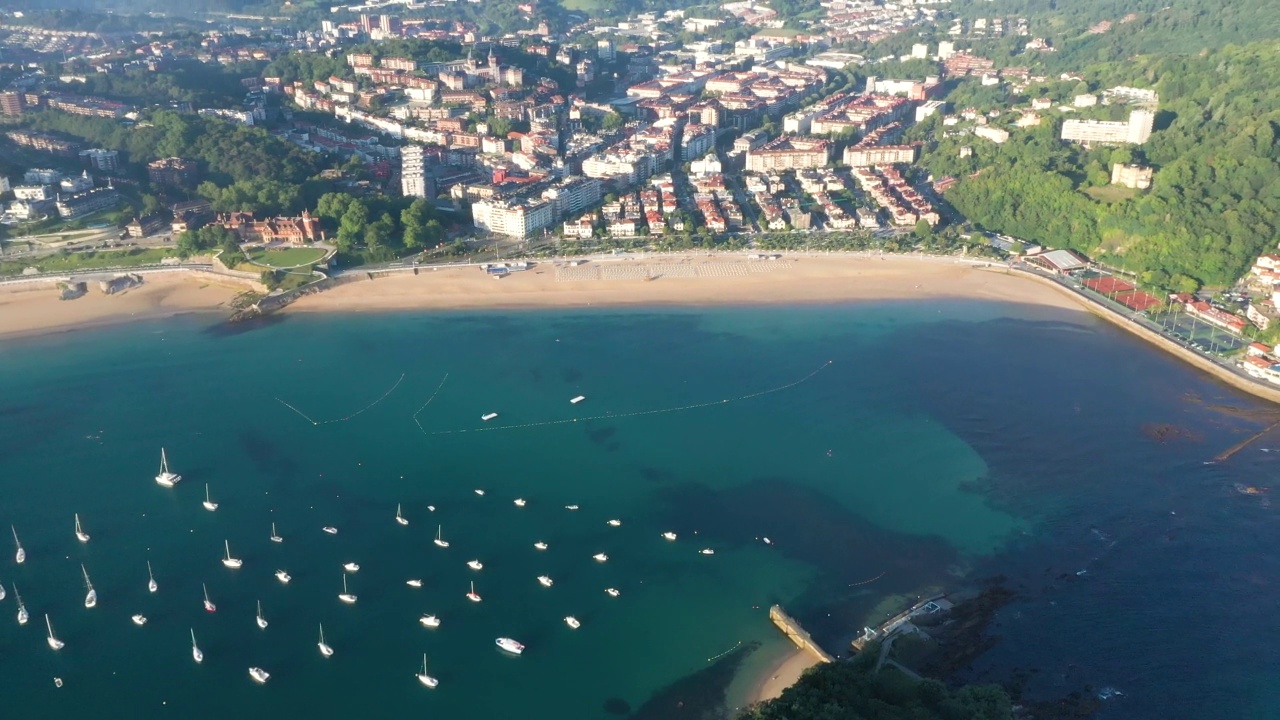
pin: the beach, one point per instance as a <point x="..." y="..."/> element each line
<point x="783" y="675"/>
<point x="35" y="308"/>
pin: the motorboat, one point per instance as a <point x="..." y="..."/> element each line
<point x="510" y="645"/>
<point x="330" y="530"/>
<point x="475" y="564"/>
<point x="615" y="523"/>
<point x="480" y="492"/>
<point x="572" y="622"/>
<point x="706" y="551"/>
<point x="351" y="567"/>
<point x="208" y="604"/>
<point x="612" y="592"/>
<point x="600" y="557"/>
<point x="488" y="416"/>
<point x="540" y="545"/>
<point x="139" y="619"/>
<point x="519" y="502"/>
<point x="414" y="583"/>
<point x="259" y="675"/>
<point x="430" y="621"/>
<point x="472" y="595"/>
<point x="570" y="507"/>
<point x="545" y="581"/>
<point x="424" y="678"/>
<point x="325" y="650"/>
<point x="233" y="563"/>
<point x="440" y="541"/>
<point x="81" y="535"/>
<point x="346" y="596"/>
<point x="669" y="535"/>
<point x="283" y="577"/>
<point x="400" y="518"/>
<point x="767" y="541"/>
<point x="208" y="503"/>
<point x="166" y="478"/>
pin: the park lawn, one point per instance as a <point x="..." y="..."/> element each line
<point x="93" y="260"/>
<point x="287" y="258"/>
<point x="584" y="5"/>
<point x="1110" y="194"/>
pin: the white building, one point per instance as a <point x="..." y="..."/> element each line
<point x="995" y="135"/>
<point x="33" y="192"/>
<point x="1135" y="131"/>
<point x="946" y="49"/>
<point x="919" y="51"/>
<point x="573" y="195"/>
<point x="512" y="218"/>
<point x="413" y="172"/>
<point x="41" y="176"/>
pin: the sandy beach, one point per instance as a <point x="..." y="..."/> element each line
<point x="27" y="309"/>
<point x="686" y="280"/>
<point x="783" y="675"/>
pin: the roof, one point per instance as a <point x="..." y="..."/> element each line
<point x="1063" y="260"/>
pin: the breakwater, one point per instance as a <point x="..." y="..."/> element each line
<point x="792" y="629"/>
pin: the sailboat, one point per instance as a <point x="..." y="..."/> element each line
<point x="430" y="621"/>
<point x="475" y="564"/>
<point x="151" y="579"/>
<point x="20" y="556"/>
<point x="346" y="597"/>
<point x="439" y="541"/>
<point x="81" y="535"/>
<point x="325" y="650"/>
<point x="54" y="642"/>
<point x="400" y="518"/>
<point x="22" y="609"/>
<point x="208" y="604"/>
<point x="91" y="597"/>
<point x="2" y="592"/>
<point x="195" y="649"/>
<point x="166" y="478"/>
<point x="208" y="504"/>
<point x="233" y="563"/>
<point x="472" y="596"/>
<point x="283" y="577"/>
<point x="423" y="677"/>
<point x="262" y="622"/>
<point x="274" y="536"/>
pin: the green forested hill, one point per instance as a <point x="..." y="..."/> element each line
<point x="1215" y="203"/>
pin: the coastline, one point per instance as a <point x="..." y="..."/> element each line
<point x="781" y="675"/>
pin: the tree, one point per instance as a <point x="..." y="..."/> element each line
<point x="352" y="227"/>
<point x="923" y="229"/>
<point x="378" y="235"/>
<point x="413" y="220"/>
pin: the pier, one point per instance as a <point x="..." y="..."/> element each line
<point x="900" y="622"/>
<point x="798" y="635"/>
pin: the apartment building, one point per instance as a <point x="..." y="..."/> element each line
<point x="786" y="153"/>
<point x="513" y="218"/>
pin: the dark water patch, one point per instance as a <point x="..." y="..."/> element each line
<point x="570" y="375"/>
<point x="266" y="457"/>
<point x="655" y="475"/>
<point x="601" y="435"/>
<point x="227" y="328"/>
<point x="617" y="706"/>
<point x="701" y="696"/>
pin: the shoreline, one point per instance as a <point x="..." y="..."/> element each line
<point x="780" y="675"/>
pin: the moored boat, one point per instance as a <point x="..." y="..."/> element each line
<point x="545" y="581"/>
<point x="283" y="577"/>
<point x="472" y="595"/>
<point x="430" y="621"/>
<point x="600" y="557"/>
<point x="423" y="677"/>
<point x="509" y="645"/>
<point x="166" y="478"/>
<point x="81" y="535"/>
<point x="259" y="675"/>
<point x="572" y="622"/>
<point x="139" y="619"/>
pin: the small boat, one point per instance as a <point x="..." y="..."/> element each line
<point x="21" y="555"/>
<point x="669" y="535"/>
<point x="208" y="604"/>
<point x="91" y="597"/>
<point x="275" y="537"/>
<point x="166" y="478"/>
<point x="576" y="400"/>
<point x="81" y="535"/>
<point x="519" y="502"/>
<point x="195" y="649"/>
<point x="259" y="675"/>
<point x="54" y="642"/>
<point x="570" y="507"/>
<point x="57" y="682"/>
<point x="413" y="583"/>
<point x="262" y="622"/>
<point x="209" y="504"/>
<point x="345" y="596"/>
<point x="472" y="595"/>
<point x="430" y="621"/>
<point x="400" y="518"/>
<point x="325" y="650"/>
<point x="706" y="551"/>
<point x="440" y="542"/>
<point x="540" y="545"/>
<point x="475" y="564"/>
<point x="151" y="579"/>
<point x="22" y="609"/>
<point x="139" y="619"/>
<point x="600" y="557"/>
<point x="233" y="563"/>
<point x="330" y="530"/>
<point x="488" y="416"/>
<point x="480" y="492"/>
<point x="546" y="581"/>
<point x="613" y="592"/>
<point x="767" y="541"/>
<point x="3" y="594"/>
<point x="615" y="523"/>
<point x="423" y="677"/>
<point x="431" y="508"/>
<point x="351" y="567"/>
<point x="572" y="622"/>
<point x="510" y="645"/>
<point x="283" y="577"/>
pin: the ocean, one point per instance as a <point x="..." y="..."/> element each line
<point x="886" y="450"/>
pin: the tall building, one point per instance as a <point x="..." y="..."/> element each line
<point x="946" y="49"/>
<point x="173" y="171"/>
<point x="366" y="24"/>
<point x="1136" y="130"/>
<point x="11" y="103"/>
<point x="101" y="160"/>
<point x="413" y="171"/>
<point x="787" y="153"/>
<point x="573" y="195"/>
<point x="513" y="218"/>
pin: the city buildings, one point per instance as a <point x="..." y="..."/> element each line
<point x="1135" y="131"/>
<point x="71" y="207"/>
<point x="786" y="153"/>
<point x="413" y="171"/>
<point x="106" y="161"/>
<point x="1137" y="177"/>
<point x="513" y="218"/>
<point x="175" y="172"/>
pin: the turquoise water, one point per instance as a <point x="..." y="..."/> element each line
<point x="912" y="443"/>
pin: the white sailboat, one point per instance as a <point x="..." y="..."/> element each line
<point x="54" y="642"/>
<point x="400" y="518"/>
<point x="166" y="478"/>
<point x="259" y="675"/>
<point x="195" y="649"/>
<point x="21" y="555"/>
<point x="440" y="542"/>
<point x="262" y="622"/>
<point x="351" y="567"/>
<point x="208" y="604"/>
<point x="345" y="596"/>
<point x="472" y="595"/>
<point x="325" y="650"/>
<point x="22" y="609"/>
<point x="475" y="564"/>
<point x="209" y="505"/>
<point x="413" y="582"/>
<point x="572" y="622"/>
<point x="275" y="537"/>
<point x="91" y="596"/>
<point x="423" y="677"/>
<point x="151" y="579"/>
<point x="283" y="577"/>
<point x="2" y="592"/>
<point x="233" y="563"/>
<point x="430" y="621"/>
<point x="81" y="535"/>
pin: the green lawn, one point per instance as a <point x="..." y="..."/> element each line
<point x="1111" y="194"/>
<point x="584" y="5"/>
<point x="286" y="258"/>
<point x="70" y="262"/>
